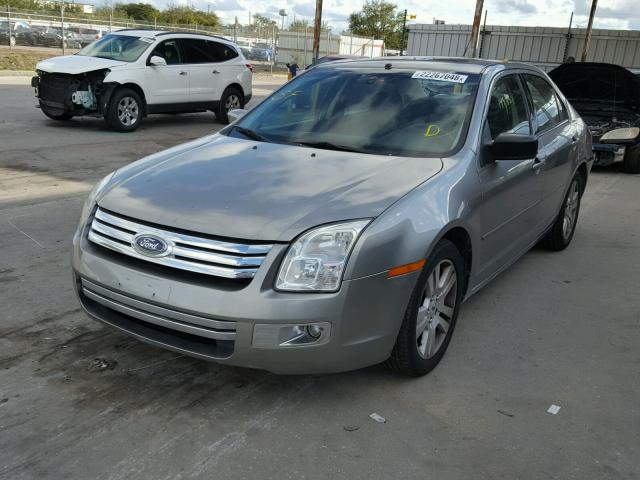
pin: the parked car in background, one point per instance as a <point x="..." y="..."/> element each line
<point x="85" y="36"/>
<point x="129" y="74"/>
<point x="607" y="97"/>
<point x="342" y="221"/>
<point x="261" y="52"/>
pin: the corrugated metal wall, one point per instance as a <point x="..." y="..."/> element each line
<point x="541" y="46"/>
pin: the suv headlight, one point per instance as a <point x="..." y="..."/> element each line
<point x="316" y="260"/>
<point x="93" y="195"/>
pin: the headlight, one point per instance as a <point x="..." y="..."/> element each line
<point x="91" y="199"/>
<point x="317" y="259"/>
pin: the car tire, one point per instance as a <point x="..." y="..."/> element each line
<point x="631" y="163"/>
<point x="64" y="116"/>
<point x="125" y="110"/>
<point x="231" y="98"/>
<point x="431" y="315"/>
<point x="564" y="226"/>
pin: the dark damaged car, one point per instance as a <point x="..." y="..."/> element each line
<point x="608" y="99"/>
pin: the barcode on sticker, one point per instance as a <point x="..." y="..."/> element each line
<point x="440" y="76"/>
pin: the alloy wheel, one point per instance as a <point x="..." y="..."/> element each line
<point x="128" y="111"/>
<point x="436" y="310"/>
<point x="233" y="102"/>
<point x="571" y="210"/>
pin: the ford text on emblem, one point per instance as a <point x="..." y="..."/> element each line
<point x="150" y="245"/>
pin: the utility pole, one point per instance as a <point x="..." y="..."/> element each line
<point x="566" y="45"/>
<point x="475" y="29"/>
<point x="587" y="38"/>
<point x="62" y="23"/>
<point x="9" y="25"/>
<point x="317" y="26"/>
<point x="235" y="26"/>
<point x="404" y="29"/>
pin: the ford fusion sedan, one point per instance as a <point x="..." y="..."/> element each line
<point x="342" y="222"/>
<point x="129" y="74"/>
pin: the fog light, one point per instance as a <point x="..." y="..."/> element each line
<point x="314" y="330"/>
<point x="277" y="336"/>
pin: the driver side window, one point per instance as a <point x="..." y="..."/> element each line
<point x="507" y="108"/>
<point x="168" y="50"/>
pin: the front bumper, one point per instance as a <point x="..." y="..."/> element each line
<point x="608" y="153"/>
<point x="364" y="315"/>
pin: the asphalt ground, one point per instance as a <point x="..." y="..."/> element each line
<point x="81" y="401"/>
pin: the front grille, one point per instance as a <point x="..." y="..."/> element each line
<point x="189" y="252"/>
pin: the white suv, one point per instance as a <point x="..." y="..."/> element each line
<point x="129" y="74"/>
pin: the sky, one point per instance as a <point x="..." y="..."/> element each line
<point x="613" y="14"/>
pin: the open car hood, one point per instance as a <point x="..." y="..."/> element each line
<point x="599" y="89"/>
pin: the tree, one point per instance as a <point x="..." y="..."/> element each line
<point x="378" y="19"/>
<point x="262" y="24"/>
<point x="138" y="11"/>
<point x="183" y="14"/>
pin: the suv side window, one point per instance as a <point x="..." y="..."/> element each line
<point x="548" y="110"/>
<point x="169" y="50"/>
<point x="508" y="108"/>
<point x="221" y="52"/>
<point x="196" y="51"/>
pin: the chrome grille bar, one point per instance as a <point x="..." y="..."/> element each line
<point x="188" y="252"/>
<point x="164" y="317"/>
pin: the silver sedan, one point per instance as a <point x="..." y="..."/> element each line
<point x="340" y="223"/>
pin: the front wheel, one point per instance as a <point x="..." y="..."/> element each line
<point x="431" y="316"/>
<point x="231" y="99"/>
<point x="561" y="233"/>
<point x="125" y="110"/>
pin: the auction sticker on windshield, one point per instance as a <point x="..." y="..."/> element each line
<point x="440" y="76"/>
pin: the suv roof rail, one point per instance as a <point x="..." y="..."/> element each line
<point x="194" y="33"/>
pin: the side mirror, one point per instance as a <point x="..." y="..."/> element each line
<point x="157" y="61"/>
<point x="236" y="114"/>
<point x="514" y="146"/>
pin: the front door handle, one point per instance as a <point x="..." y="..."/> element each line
<point x="538" y="162"/>
<point x="216" y="71"/>
<point x="182" y="72"/>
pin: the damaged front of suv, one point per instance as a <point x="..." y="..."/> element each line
<point x="82" y="84"/>
<point x="607" y="97"/>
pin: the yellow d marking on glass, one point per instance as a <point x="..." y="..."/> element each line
<point x="432" y="131"/>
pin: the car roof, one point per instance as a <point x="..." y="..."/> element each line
<point x="141" y="32"/>
<point x="468" y="65"/>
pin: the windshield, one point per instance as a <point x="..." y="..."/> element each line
<point x="405" y="113"/>
<point x="124" y="48"/>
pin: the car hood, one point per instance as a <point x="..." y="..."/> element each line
<point x="74" y="64"/>
<point x="599" y="88"/>
<point x="260" y="191"/>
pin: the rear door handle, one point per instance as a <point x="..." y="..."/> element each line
<point x="182" y="72"/>
<point x="216" y="71"/>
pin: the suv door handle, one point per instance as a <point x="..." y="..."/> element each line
<point x="216" y="71"/>
<point x="182" y="72"/>
<point x="538" y="162"/>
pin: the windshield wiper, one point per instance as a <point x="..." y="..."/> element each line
<point x="329" y="146"/>
<point x="250" y="134"/>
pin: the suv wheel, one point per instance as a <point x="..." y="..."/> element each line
<point x="231" y="99"/>
<point x="631" y="163"/>
<point x="125" y="110"/>
<point x="561" y="233"/>
<point x="431" y="315"/>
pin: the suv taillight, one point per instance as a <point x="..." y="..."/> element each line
<point x="250" y="67"/>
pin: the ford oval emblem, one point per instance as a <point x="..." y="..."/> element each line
<point x="151" y="245"/>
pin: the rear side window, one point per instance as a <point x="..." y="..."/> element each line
<point x="508" y="108"/>
<point x="196" y="51"/>
<point x="221" y="52"/>
<point x="548" y="110"/>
